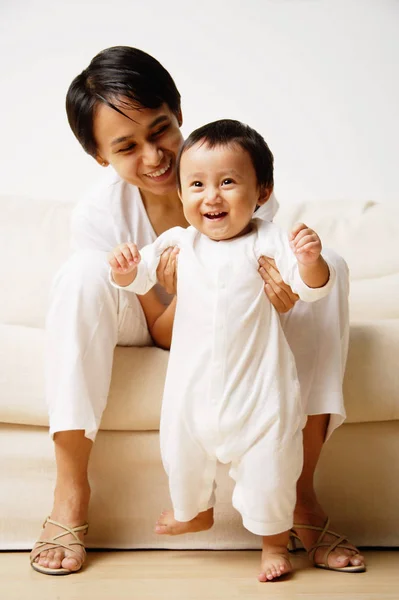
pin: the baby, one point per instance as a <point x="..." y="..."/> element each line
<point x="231" y="391"/>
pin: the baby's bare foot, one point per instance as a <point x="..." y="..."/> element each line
<point x="167" y="524"/>
<point x="275" y="562"/>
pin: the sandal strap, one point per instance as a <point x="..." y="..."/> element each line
<point x="54" y="543"/>
<point x="51" y="546"/>
<point x="330" y="546"/>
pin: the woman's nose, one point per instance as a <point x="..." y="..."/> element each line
<point x="152" y="155"/>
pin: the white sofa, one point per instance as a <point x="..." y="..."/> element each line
<point x="357" y="479"/>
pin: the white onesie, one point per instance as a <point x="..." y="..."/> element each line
<point x="231" y="391"/>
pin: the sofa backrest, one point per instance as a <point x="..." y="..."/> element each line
<point x="366" y="234"/>
<point x="34" y="242"/>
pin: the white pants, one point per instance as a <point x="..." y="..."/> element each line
<point x="265" y="473"/>
<point x="88" y="318"/>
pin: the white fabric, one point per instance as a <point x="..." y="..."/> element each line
<point x="87" y="317"/>
<point x="86" y="320"/>
<point x="231" y="391"/>
<point x="111" y="214"/>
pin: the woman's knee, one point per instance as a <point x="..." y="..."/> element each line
<point x="341" y="269"/>
<point x="82" y="284"/>
<point x="337" y="262"/>
<point x="85" y="269"/>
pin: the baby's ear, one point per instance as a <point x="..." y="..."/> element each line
<point x="264" y="194"/>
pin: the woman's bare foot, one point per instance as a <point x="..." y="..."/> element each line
<point x="313" y="514"/>
<point x="167" y="524"/>
<point x="275" y="560"/>
<point x="70" y="508"/>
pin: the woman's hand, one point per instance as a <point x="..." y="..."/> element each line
<point x="167" y="270"/>
<point x="279" y="293"/>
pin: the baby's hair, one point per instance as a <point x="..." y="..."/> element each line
<point x="228" y="132"/>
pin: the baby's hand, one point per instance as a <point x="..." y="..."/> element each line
<point x="124" y="259"/>
<point x="305" y="244"/>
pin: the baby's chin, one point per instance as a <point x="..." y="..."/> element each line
<point x="225" y="235"/>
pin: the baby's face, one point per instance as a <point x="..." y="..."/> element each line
<point x="219" y="190"/>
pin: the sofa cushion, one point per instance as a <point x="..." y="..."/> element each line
<point x="371" y="380"/>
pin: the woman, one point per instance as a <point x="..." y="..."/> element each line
<point x="125" y="111"/>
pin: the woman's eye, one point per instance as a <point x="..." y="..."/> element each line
<point x="127" y="148"/>
<point x="159" y="131"/>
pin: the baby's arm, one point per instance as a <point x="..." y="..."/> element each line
<point x="298" y="259"/>
<point x="306" y="245"/>
<point x="137" y="272"/>
<point x="132" y="270"/>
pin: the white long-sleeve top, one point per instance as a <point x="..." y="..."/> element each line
<point x="228" y="349"/>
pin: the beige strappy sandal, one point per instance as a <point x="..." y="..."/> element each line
<point x="54" y="543"/>
<point x="340" y="542"/>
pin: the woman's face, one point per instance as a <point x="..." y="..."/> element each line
<point x="141" y="146"/>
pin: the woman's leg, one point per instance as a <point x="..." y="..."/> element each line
<point x="308" y="511"/>
<point x="318" y="335"/>
<point x="87" y="318"/>
<point x="71" y="498"/>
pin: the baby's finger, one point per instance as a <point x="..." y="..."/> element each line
<point x="305" y="239"/>
<point x="120" y="257"/>
<point x="310" y="247"/>
<point x="134" y="251"/>
<point x="301" y="234"/>
<point x="127" y="255"/>
<point x="114" y="264"/>
<point x="296" y="229"/>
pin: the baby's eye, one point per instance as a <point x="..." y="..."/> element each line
<point x="227" y="181"/>
<point x="197" y="184"/>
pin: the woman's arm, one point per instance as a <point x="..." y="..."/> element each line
<point x="159" y="318"/>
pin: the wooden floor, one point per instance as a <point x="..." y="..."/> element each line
<point x="195" y="575"/>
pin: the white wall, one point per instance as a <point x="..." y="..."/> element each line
<point x="318" y="78"/>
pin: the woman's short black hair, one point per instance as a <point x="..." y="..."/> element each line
<point x="119" y="74"/>
<point x="228" y="132"/>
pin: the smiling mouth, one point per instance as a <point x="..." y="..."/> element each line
<point x="160" y="172"/>
<point x="215" y="215"/>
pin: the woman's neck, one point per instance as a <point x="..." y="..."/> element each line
<point x="168" y="201"/>
<point x="164" y="211"/>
